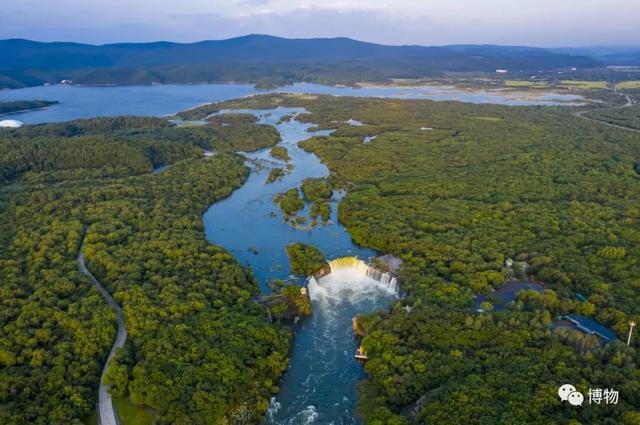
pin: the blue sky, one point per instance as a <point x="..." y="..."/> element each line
<point x="427" y="22"/>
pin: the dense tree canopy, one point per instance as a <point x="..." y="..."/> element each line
<point x="199" y="349"/>
<point x="117" y="146"/>
<point x="454" y="190"/>
<point x="23" y="105"/>
<point x="305" y="259"/>
<point x="280" y="152"/>
<point x="316" y="190"/>
<point x="290" y="202"/>
<point x="275" y="174"/>
<point x="626" y="117"/>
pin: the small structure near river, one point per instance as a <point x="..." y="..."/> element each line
<point x="588" y="326"/>
<point x="291" y="304"/>
<point x="358" y="334"/>
<point x="501" y="298"/>
<point x="361" y="354"/>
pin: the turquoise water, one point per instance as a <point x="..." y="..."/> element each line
<point x="320" y="385"/>
<point x="87" y="102"/>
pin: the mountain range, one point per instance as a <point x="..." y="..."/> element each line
<point x="270" y="60"/>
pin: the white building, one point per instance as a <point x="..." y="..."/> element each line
<point x="10" y="124"/>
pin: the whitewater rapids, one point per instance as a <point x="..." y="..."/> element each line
<point x="351" y="278"/>
<point x="320" y="385"/>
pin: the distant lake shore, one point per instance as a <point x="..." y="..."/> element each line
<point x="76" y="102"/>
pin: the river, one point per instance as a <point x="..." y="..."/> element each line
<point x="250" y="225"/>
<point x="319" y="385"/>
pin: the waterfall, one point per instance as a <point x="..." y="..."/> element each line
<point x="352" y="275"/>
<point x="343" y="262"/>
<point x="323" y="367"/>
<point x="386" y="279"/>
<point x="340" y="264"/>
<point x="269" y="313"/>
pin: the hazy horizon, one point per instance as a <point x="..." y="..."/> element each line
<point x="501" y="22"/>
<point x="595" y="46"/>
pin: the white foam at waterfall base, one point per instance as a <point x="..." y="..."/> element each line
<point x="274" y="407"/>
<point x="319" y="387"/>
<point x="351" y="279"/>
<point x="309" y="415"/>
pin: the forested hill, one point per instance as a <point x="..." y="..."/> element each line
<point x="256" y="57"/>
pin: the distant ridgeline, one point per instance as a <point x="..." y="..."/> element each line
<point x="265" y="60"/>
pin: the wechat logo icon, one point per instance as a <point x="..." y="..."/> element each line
<point x="568" y="392"/>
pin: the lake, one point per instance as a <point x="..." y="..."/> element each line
<point x="87" y="102"/>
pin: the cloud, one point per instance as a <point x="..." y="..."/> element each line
<point x="327" y="21"/>
<point x="341" y="7"/>
<point x="244" y="3"/>
<point x="399" y="22"/>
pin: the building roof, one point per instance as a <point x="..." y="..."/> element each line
<point x="588" y="325"/>
<point x="10" y="124"/>
<point x="506" y="293"/>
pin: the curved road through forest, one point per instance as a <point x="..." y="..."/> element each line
<point x="581" y="114"/>
<point x="106" y="412"/>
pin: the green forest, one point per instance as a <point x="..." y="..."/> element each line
<point x="23" y="105"/>
<point x="305" y="259"/>
<point x="291" y="304"/>
<point x="275" y="174"/>
<point x="290" y="202"/>
<point x="487" y="183"/>
<point x="626" y="117"/>
<point x="199" y="349"/>
<point x="316" y="192"/>
<point x="117" y="147"/>
<point x="280" y="152"/>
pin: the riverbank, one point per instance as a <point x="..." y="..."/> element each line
<point x="22" y="106"/>
<point x="320" y="381"/>
<point x="164" y="100"/>
<point x="455" y="202"/>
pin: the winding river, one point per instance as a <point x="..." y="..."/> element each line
<point x="250" y="225"/>
<point x="319" y="386"/>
